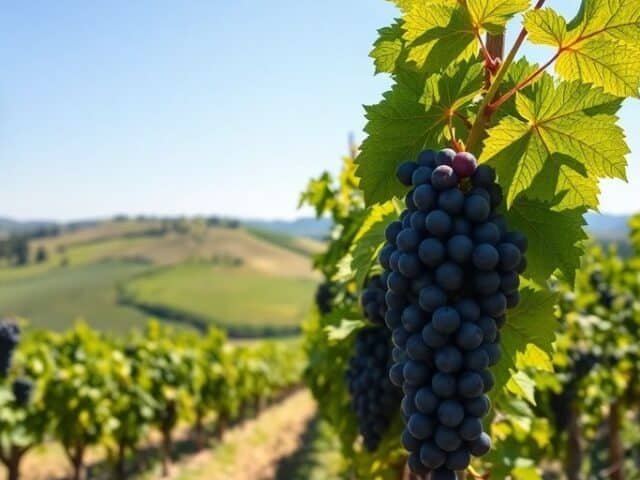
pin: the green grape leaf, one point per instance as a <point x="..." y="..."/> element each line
<point x="398" y="128"/>
<point x="318" y="194"/>
<point x="523" y="386"/>
<point x="528" y="472"/>
<point x="370" y="237"/>
<point x="438" y="33"/>
<point x="493" y="15"/>
<point x="415" y="113"/>
<point x="614" y="66"/>
<point x="535" y="357"/>
<point x="546" y="27"/>
<point x="600" y="46"/>
<point x="618" y="19"/>
<point x="571" y="121"/>
<point x="404" y="5"/>
<point x="531" y="322"/>
<point x="343" y="331"/>
<point x="453" y="90"/>
<point x="554" y="238"/>
<point x="387" y="48"/>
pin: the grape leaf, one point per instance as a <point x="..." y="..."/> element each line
<point x="493" y="15"/>
<point x="536" y="357"/>
<point x="531" y="322"/>
<point x="615" y="18"/>
<point x="571" y="119"/>
<point x="398" y="127"/>
<point x="415" y="113"/>
<point x="523" y="386"/>
<point x="403" y="5"/>
<point x="546" y="27"/>
<point x="344" y="330"/>
<point x="600" y="46"/>
<point x="453" y="90"/>
<point x="614" y="66"/>
<point x="370" y="237"/>
<point x="554" y="238"/>
<point x="387" y="48"/>
<point x="318" y="194"/>
<point x="439" y="33"/>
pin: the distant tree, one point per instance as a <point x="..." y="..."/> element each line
<point x="4" y="249"/>
<point x="41" y="254"/>
<point x="19" y="249"/>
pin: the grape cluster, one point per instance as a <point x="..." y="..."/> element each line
<point x="325" y="294"/>
<point x="452" y="271"/>
<point x="372" y="300"/>
<point x="22" y="389"/>
<point x="9" y="339"/>
<point x="374" y="398"/>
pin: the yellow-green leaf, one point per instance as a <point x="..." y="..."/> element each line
<point x="438" y="33"/>
<point x="387" y="48"/>
<point x="612" y="65"/>
<point x="546" y="27"/>
<point x="493" y="15"/>
<point x="570" y="124"/>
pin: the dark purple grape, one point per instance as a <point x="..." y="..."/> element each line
<point x="484" y="177"/>
<point x="428" y="158"/>
<point x="425" y="197"/>
<point x="444" y="177"/>
<point x="451" y="201"/>
<point x="438" y="223"/>
<point x="405" y="172"/>
<point x="465" y="164"/>
<point x="431" y="252"/>
<point x="445" y="157"/>
<point x="421" y="176"/>
<point x="476" y="209"/>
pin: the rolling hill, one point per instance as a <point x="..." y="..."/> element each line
<point x="116" y="274"/>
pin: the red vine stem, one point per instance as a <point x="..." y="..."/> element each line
<point x="531" y="78"/>
<point x="483" y="48"/>
<point x="478" y="129"/>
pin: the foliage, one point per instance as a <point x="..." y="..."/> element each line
<point x="92" y="389"/>
<point x="550" y="138"/>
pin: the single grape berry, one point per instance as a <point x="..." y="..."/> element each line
<point x="464" y="164"/>
<point x="421" y="175"/>
<point x="444" y="177"/>
<point x="439" y="223"/>
<point x="405" y="172"/>
<point x="428" y="158"/>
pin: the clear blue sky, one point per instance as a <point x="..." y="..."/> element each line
<point x="166" y="107"/>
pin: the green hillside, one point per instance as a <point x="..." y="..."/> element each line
<point x="56" y="298"/>
<point x="116" y="274"/>
<point x="238" y="298"/>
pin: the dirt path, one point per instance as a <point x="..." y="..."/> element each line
<point x="249" y="451"/>
<point x="253" y="450"/>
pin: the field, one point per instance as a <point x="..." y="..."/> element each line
<point x="117" y="274"/>
<point x="58" y="297"/>
<point x="237" y="298"/>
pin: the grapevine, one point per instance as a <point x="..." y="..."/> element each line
<point x="9" y="339"/>
<point x="452" y="262"/>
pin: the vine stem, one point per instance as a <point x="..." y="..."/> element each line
<point x="484" y="114"/>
